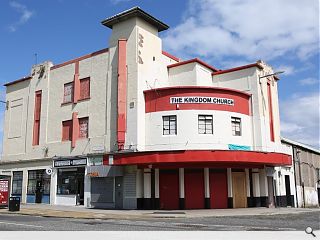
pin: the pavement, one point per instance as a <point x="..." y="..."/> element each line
<point x="80" y="212"/>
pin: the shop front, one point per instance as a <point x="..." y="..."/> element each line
<point x="38" y="190"/>
<point x="70" y="175"/>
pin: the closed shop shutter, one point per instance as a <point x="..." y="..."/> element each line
<point x="218" y="189"/>
<point x="130" y="185"/>
<point x="194" y="189"/>
<point x="102" y="191"/>
<point x="169" y="189"/>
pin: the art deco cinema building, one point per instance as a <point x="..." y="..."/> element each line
<point x="133" y="127"/>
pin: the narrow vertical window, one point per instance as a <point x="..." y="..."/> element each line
<point x="169" y="125"/>
<point x="83" y="127"/>
<point x="84" y="88"/>
<point x="67" y="130"/>
<point x="205" y="124"/>
<point x="236" y="126"/>
<point x="68" y="92"/>
<point x="37" y="115"/>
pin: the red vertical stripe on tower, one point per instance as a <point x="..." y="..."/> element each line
<point x="122" y="92"/>
<point x="76" y="88"/>
<point x="37" y="115"/>
<point x="270" y="113"/>
<point x="75" y="129"/>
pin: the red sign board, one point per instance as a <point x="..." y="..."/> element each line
<point x="4" y="192"/>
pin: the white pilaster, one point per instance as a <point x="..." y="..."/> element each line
<point x="263" y="183"/>
<point x="53" y="186"/>
<point x="255" y="183"/>
<point x="139" y="185"/>
<point x="24" y="186"/>
<point x="87" y="190"/>
<point x="147" y="183"/>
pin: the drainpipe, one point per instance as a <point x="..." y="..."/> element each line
<point x="295" y="176"/>
<point x="300" y="178"/>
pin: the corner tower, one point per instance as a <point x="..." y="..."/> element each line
<point x="135" y="51"/>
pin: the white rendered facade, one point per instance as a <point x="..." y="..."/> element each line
<point x="156" y="75"/>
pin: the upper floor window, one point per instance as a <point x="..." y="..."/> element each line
<point x="67" y="130"/>
<point x="169" y="125"/>
<point x="85" y="88"/>
<point x="83" y="127"/>
<point x="68" y="92"/>
<point x="236" y="126"/>
<point x="205" y="124"/>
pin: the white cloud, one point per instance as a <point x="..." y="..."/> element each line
<point x="300" y="118"/>
<point x="251" y="29"/>
<point x="308" y="81"/>
<point x="288" y="70"/>
<point x="26" y="14"/>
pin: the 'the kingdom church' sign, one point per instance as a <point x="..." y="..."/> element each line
<point x="207" y="100"/>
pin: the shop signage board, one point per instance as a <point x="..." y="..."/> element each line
<point x="203" y="100"/>
<point x="4" y="192"/>
<point x="70" y="162"/>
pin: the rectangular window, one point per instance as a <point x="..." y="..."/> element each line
<point x="169" y="125"/>
<point x="85" y="88"/>
<point x="205" y="124"/>
<point x="83" y="127"/>
<point x="68" y="92"/>
<point x="37" y="115"/>
<point x="67" y="130"/>
<point x="236" y="126"/>
<point x="17" y="183"/>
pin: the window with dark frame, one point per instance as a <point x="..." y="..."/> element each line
<point x="67" y="130"/>
<point x="68" y="92"/>
<point x="205" y="124"/>
<point x="38" y="177"/>
<point x="17" y="183"/>
<point x="169" y="125"/>
<point x="236" y="126"/>
<point x="68" y="180"/>
<point x="84" y="88"/>
<point x="83" y="127"/>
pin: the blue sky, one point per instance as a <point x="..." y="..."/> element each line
<point x="284" y="33"/>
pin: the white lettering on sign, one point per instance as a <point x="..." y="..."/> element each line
<point x="73" y="162"/>
<point x="208" y="100"/>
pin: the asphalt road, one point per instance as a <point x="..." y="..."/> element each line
<point x="289" y="222"/>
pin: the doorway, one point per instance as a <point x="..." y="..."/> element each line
<point x="218" y="189"/>
<point x="169" y="189"/>
<point x="38" y="190"/>
<point x="239" y="189"/>
<point x="80" y="189"/>
<point x="288" y="190"/>
<point x="194" y="188"/>
<point x="118" y="192"/>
